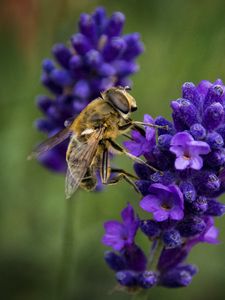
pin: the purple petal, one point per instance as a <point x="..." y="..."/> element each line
<point x="150" y="132"/>
<point x="211" y="235"/>
<point x="182" y="163"/>
<point x="127" y="214"/>
<point x="161" y="215"/>
<point x="176" y="213"/>
<point x="196" y="163"/>
<point x="133" y="147"/>
<point x="198" y="147"/>
<point x="113" y="227"/>
<point x="181" y="138"/>
<point x="150" y="203"/>
<point x="177" y="150"/>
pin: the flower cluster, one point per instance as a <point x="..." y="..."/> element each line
<point x="181" y="197"/>
<point x="98" y="57"/>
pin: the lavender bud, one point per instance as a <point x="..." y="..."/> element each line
<point x="52" y="86"/>
<point x="142" y="171"/>
<point x="106" y="70"/>
<point x="198" y="131"/>
<point x="93" y="58"/>
<point x="61" y="77"/>
<point x="147" y="279"/>
<point x="114" y="261"/>
<point x="216" y="158"/>
<point x="185" y="113"/>
<point x="190" y="226"/>
<point x="48" y="65"/>
<point x="143" y="186"/>
<point x="87" y="26"/>
<point x="125" y="68"/>
<point x="178" y="277"/>
<point x="199" y="206"/>
<point x="215" y="208"/>
<point x="133" y="46"/>
<point x="62" y="54"/>
<point x="171" y="238"/>
<point x="150" y="228"/>
<point x="113" y="49"/>
<point x="189" y="92"/>
<point x="206" y="182"/>
<point x="134" y="258"/>
<point x="44" y="125"/>
<point x="164" y="141"/>
<point x="99" y="16"/>
<point x="214" y="140"/>
<point x="188" y="191"/>
<point x="115" y="24"/>
<point x="161" y="121"/>
<point x="43" y="103"/>
<point x="82" y="89"/>
<point x="215" y="94"/>
<point x="127" y="278"/>
<point x="213" y="116"/>
<point x="80" y="43"/>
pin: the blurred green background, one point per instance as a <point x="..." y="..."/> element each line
<point x="184" y="41"/>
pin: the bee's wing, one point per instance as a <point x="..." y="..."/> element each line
<point x="51" y="142"/>
<point x="79" y="158"/>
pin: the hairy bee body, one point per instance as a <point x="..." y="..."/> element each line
<point x="99" y="113"/>
<point x="92" y="134"/>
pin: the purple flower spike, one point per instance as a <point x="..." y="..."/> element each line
<point x="188" y="151"/>
<point x="165" y="202"/>
<point x="119" y="235"/>
<point x="98" y="57"/>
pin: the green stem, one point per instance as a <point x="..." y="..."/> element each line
<point x="155" y="254"/>
<point x="64" y="287"/>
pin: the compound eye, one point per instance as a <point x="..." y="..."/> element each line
<point x="119" y="101"/>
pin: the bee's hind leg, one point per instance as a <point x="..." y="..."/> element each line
<point x="122" y="174"/>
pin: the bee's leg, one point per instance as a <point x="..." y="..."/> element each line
<point x="127" y="136"/>
<point x="105" y="165"/>
<point x="121" y="174"/>
<point x="137" y="123"/>
<point x="120" y="149"/>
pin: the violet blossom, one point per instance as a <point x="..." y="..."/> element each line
<point x="180" y="199"/>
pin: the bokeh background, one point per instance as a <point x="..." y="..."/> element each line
<point x="184" y="41"/>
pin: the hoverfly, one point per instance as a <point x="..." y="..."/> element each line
<point x="92" y="137"/>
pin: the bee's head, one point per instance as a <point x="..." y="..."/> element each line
<point x="120" y="99"/>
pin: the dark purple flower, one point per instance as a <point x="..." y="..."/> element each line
<point x="142" y="145"/>
<point x="121" y="234"/>
<point x="164" y="202"/>
<point x="188" y="151"/>
<point x="98" y="57"/>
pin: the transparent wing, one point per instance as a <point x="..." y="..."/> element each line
<point x="79" y="158"/>
<point x="50" y="143"/>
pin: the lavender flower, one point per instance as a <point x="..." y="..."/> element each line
<point x="98" y="57"/>
<point x="118" y="235"/>
<point x="164" y="202"/>
<point x="188" y="151"/>
<point x="182" y="195"/>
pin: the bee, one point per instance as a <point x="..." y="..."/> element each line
<point x="92" y="137"/>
